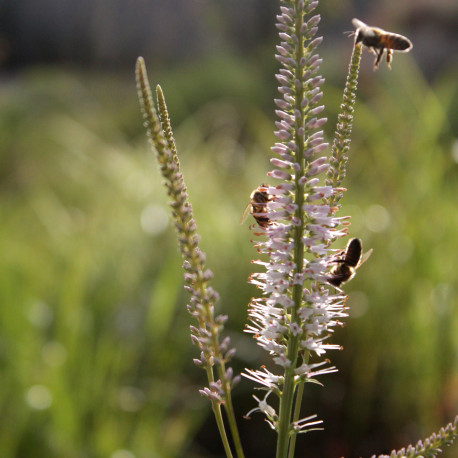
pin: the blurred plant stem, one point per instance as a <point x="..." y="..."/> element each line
<point x="214" y="352"/>
<point x="342" y="135"/>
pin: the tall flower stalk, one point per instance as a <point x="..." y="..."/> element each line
<point x="297" y="312"/>
<point x="215" y="351"/>
<point x="341" y="144"/>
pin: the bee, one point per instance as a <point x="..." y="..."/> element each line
<point x="378" y="40"/>
<point x="257" y="206"/>
<point x="345" y="268"/>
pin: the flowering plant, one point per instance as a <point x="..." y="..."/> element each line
<point x="298" y="222"/>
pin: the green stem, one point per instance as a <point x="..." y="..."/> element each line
<point x="286" y="400"/>
<point x="161" y="136"/>
<point x="342" y="136"/>
<point x="232" y="422"/>
<point x="168" y="134"/>
<point x="286" y="403"/>
<point x="222" y="432"/>
<point x="216" y="407"/>
<point x="287" y="396"/>
<point x="297" y="412"/>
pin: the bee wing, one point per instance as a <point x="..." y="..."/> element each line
<point x="245" y="213"/>
<point x="365" y="257"/>
<point x="357" y="24"/>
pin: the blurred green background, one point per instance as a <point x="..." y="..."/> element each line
<point x="95" y="354"/>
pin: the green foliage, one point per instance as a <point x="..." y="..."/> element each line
<point x="95" y="354"/>
<point x="82" y="314"/>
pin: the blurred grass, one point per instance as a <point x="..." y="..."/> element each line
<point x="95" y="354"/>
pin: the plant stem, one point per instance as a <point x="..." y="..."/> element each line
<point x="342" y="136"/>
<point x="232" y="424"/>
<point x="297" y="411"/>
<point x="161" y="136"/>
<point x="286" y="403"/>
<point x="286" y="400"/>
<point x="222" y="432"/>
<point x="167" y="130"/>
<point x="216" y="407"/>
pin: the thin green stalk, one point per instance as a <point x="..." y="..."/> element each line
<point x="161" y="136"/>
<point x="216" y="407"/>
<point x="286" y="400"/>
<point x="286" y="403"/>
<point x="342" y="136"/>
<point x="168" y="134"/>
<point x="296" y="414"/>
<point x="228" y="406"/>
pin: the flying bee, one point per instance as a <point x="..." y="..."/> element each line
<point x="378" y="40"/>
<point x="257" y="206"/>
<point x="345" y="268"/>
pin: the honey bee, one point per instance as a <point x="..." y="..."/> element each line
<point x="345" y="268"/>
<point x="257" y="206"/>
<point x="378" y="40"/>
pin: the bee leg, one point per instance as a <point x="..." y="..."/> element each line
<point x="338" y="290"/>
<point x="389" y="57"/>
<point x="338" y="261"/>
<point x="338" y="258"/>
<point x="379" y="57"/>
<point x="373" y="51"/>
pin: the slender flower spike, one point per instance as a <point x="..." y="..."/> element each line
<point x="341" y="143"/>
<point x="214" y="352"/>
<point x="298" y="309"/>
<point x="431" y="446"/>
